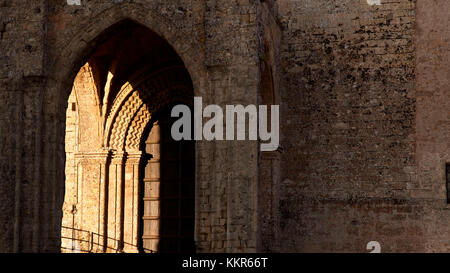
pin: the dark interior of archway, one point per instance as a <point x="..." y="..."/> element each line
<point x="125" y="49"/>
<point x="177" y="190"/>
<point x="129" y="48"/>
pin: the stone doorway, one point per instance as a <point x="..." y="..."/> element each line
<point x="129" y="187"/>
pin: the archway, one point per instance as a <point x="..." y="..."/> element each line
<point x="113" y="198"/>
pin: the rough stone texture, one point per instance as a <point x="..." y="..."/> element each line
<point x="364" y="165"/>
<point x="21" y="83"/>
<point x="217" y="41"/>
<point x="349" y="104"/>
<point x="362" y="90"/>
<point x="432" y="120"/>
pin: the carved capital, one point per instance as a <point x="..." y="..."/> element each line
<point x="118" y="158"/>
<point x="133" y="158"/>
<point x="91" y="157"/>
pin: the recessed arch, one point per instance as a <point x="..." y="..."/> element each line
<point x="171" y="81"/>
<point x="134" y="118"/>
<point x="76" y="52"/>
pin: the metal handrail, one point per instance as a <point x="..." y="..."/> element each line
<point x="92" y="243"/>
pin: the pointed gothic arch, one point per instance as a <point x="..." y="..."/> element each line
<point x="104" y="215"/>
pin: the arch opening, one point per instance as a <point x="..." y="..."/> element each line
<point x="119" y="153"/>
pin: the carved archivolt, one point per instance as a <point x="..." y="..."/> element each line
<point x="132" y="108"/>
<point x="136" y="128"/>
<point x="123" y="120"/>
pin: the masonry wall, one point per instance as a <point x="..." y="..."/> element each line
<point x="348" y="113"/>
<point x="22" y="38"/>
<point x="432" y="119"/>
<point x="43" y="45"/>
<point x="364" y="119"/>
<point x="366" y="126"/>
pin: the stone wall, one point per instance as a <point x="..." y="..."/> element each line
<point x="44" y="44"/>
<point x="432" y="119"/>
<point x="22" y="39"/>
<point x="348" y="113"/>
<point x="364" y="126"/>
<point x="362" y="89"/>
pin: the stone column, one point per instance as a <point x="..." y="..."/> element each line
<point x="115" y="202"/>
<point x="92" y="191"/>
<point x="131" y="202"/>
